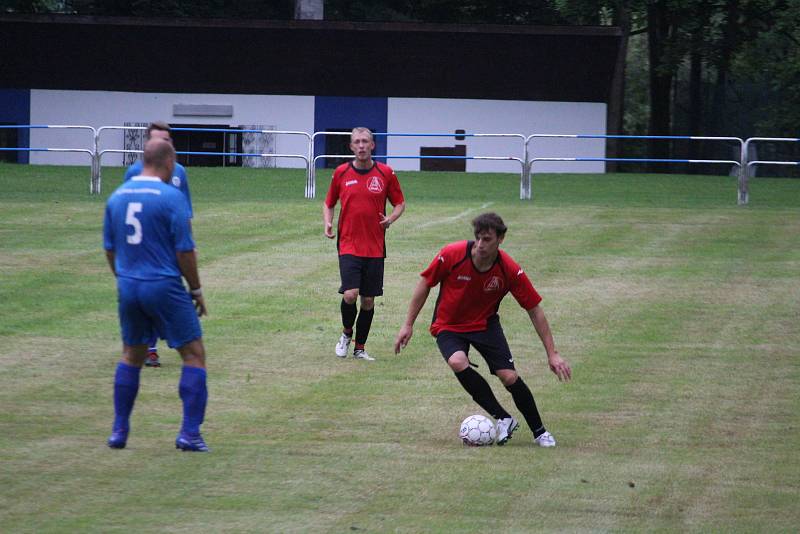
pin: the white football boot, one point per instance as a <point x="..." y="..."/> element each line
<point x="361" y="354"/>
<point x="545" y="440"/>
<point x="505" y="427"/>
<point x="341" y="346"/>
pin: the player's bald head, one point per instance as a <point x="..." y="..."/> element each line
<point x="159" y="158"/>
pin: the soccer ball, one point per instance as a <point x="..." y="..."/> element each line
<point x="477" y="431"/>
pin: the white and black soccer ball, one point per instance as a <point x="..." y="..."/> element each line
<point x="477" y="431"/>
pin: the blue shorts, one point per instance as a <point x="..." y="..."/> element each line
<point x="150" y="308"/>
<point x="490" y="343"/>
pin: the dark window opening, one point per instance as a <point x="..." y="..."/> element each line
<point x="337" y="144"/>
<point x="215" y="142"/>
<point x="9" y="138"/>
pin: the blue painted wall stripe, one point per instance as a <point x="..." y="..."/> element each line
<point x="15" y="108"/>
<point x="345" y="113"/>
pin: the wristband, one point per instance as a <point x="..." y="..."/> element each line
<point x="196" y="292"/>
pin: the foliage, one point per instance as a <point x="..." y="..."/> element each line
<point x="771" y="59"/>
<point x="253" y="9"/>
<point x="446" y="11"/>
<point x="728" y="67"/>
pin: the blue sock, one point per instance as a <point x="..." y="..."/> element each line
<point x="126" y="386"/>
<point x="194" y="395"/>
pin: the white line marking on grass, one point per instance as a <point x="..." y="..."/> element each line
<point x="455" y="217"/>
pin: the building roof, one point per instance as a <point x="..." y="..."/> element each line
<point x="573" y="64"/>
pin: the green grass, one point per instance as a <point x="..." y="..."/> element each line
<point x="677" y="309"/>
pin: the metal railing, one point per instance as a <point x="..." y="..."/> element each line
<point x="395" y="156"/>
<point x="312" y="150"/>
<point x="526" y="161"/>
<point x="90" y="152"/>
<point x="97" y="179"/>
<point x="526" y="191"/>
<point x="744" y="175"/>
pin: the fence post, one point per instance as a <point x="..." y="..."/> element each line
<point x="525" y="179"/>
<point x="744" y="195"/>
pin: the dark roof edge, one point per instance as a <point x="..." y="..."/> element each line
<point x="608" y="31"/>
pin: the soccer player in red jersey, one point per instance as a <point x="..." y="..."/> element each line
<point x="474" y="276"/>
<point x="362" y="186"/>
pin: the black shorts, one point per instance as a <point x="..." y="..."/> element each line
<point x="490" y="343"/>
<point x="366" y="274"/>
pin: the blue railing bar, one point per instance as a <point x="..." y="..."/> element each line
<point x="228" y="130"/>
<point x="189" y="153"/>
<point x="225" y="130"/>
<point x="601" y="136"/>
<point x="409" y="134"/>
<point x="405" y="134"/>
<point x="389" y="156"/>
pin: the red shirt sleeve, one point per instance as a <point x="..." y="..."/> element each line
<point x="522" y="288"/>
<point x="437" y="270"/>
<point x="333" y="191"/>
<point x="395" y="194"/>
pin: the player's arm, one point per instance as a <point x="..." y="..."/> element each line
<point x="327" y="219"/>
<point x="108" y="240"/>
<point x="110" y="259"/>
<point x="418" y="299"/>
<point x="397" y="211"/>
<point x="187" y="262"/>
<point x="557" y="364"/>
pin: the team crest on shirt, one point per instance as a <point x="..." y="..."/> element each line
<point x="375" y="185"/>
<point x="494" y="283"/>
<point x="176" y="181"/>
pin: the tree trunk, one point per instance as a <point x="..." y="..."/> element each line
<point x="615" y="113"/>
<point x="695" y="101"/>
<point x="658" y="30"/>
<point x="723" y="64"/>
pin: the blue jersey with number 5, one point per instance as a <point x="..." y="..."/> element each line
<point x="146" y="223"/>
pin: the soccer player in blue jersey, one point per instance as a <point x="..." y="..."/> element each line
<point x="149" y="246"/>
<point x="161" y="130"/>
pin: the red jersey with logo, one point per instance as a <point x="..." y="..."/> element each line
<point x="468" y="297"/>
<point x="363" y="194"/>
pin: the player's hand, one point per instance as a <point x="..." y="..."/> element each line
<point x="200" y="305"/>
<point x="329" y="231"/>
<point x="386" y="222"/>
<point x="403" y="337"/>
<point x="560" y="367"/>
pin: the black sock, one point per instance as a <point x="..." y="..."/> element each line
<point x="363" y="325"/>
<point x="349" y="312"/>
<point x="523" y="398"/>
<point x="481" y="392"/>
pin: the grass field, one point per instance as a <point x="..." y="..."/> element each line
<point x="678" y="310"/>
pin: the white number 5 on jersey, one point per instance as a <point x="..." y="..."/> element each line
<point x="130" y="219"/>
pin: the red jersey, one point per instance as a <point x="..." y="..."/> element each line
<point x="468" y="297"/>
<point x="363" y="193"/>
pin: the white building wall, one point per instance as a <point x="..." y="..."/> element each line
<point x="284" y="112"/>
<point x="434" y="115"/>
<point x="113" y="108"/>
